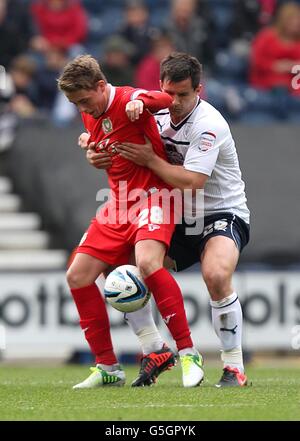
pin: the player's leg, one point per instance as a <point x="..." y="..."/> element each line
<point x="99" y="248"/>
<point x="168" y="297"/>
<point x="157" y="356"/>
<point x="142" y="324"/>
<point x="218" y="262"/>
<point x="94" y="321"/>
<point x="152" y="345"/>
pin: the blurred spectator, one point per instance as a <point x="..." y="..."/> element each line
<point x="190" y="32"/>
<point x="250" y="16"/>
<point x="55" y="60"/>
<point x="147" y="72"/>
<point x="15" y="30"/>
<point x="23" y="92"/>
<point x="59" y="23"/>
<point x="116" y="64"/>
<point x="17" y="100"/>
<point x="137" y="29"/>
<point x="276" y="50"/>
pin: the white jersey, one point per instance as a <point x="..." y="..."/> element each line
<point x="203" y="143"/>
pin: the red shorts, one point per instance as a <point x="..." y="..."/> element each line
<point x="113" y="242"/>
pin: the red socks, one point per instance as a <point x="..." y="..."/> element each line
<point x="169" y="301"/>
<point x="94" y="322"/>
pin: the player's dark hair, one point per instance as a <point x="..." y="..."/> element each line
<point x="179" y="66"/>
<point x="83" y="72"/>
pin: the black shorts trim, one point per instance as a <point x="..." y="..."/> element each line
<point x="186" y="250"/>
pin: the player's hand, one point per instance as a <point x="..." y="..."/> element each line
<point x="134" y="109"/>
<point x="140" y="154"/>
<point x="83" y="140"/>
<point x="101" y="161"/>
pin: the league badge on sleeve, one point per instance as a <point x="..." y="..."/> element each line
<point x="207" y="141"/>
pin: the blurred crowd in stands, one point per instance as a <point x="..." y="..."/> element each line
<point x="250" y="51"/>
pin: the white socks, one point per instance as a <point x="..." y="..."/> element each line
<point x="144" y="327"/>
<point x="227" y="320"/>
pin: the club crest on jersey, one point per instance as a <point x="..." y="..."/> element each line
<point x="107" y="125"/>
<point x="207" y="141"/>
<point x="187" y="129"/>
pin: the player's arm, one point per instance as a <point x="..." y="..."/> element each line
<point x="152" y="101"/>
<point x="175" y="175"/>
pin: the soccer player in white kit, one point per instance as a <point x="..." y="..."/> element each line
<point x="202" y="155"/>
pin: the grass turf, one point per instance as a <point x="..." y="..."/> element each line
<point x="45" y="393"/>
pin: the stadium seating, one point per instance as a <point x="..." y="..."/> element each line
<point x="23" y="246"/>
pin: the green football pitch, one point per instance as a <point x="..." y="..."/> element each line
<point x="45" y="393"/>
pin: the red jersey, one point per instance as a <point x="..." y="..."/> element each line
<point x="114" y="127"/>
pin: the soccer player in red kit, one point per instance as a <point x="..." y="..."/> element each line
<point x="108" y="114"/>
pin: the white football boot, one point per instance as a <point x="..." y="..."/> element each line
<point x="192" y="372"/>
<point x="100" y="378"/>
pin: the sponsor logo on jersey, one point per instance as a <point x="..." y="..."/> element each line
<point x="105" y="146"/>
<point x="207" y="141"/>
<point x="107" y="125"/>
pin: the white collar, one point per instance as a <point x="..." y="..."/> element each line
<point x="112" y="93"/>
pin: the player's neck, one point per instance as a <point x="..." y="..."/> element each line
<point x="177" y="119"/>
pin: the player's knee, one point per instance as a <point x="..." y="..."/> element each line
<point x="147" y="265"/>
<point x="216" y="280"/>
<point x="76" y="279"/>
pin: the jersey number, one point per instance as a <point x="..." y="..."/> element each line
<point x="156" y="216"/>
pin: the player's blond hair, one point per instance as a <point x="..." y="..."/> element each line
<point x="83" y="72"/>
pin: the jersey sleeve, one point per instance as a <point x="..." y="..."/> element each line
<point x="85" y="122"/>
<point x="88" y="122"/>
<point x="153" y="100"/>
<point x="204" y="149"/>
